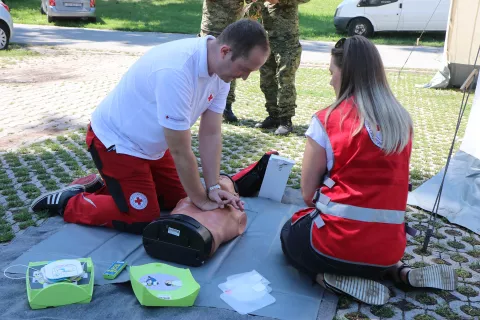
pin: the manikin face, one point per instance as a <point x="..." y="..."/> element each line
<point x="336" y="76"/>
<point x="241" y="67"/>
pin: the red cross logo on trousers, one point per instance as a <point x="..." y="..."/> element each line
<point x="138" y="201"/>
<point x="210" y="97"/>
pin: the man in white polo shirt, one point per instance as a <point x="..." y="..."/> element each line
<point x="140" y="138"/>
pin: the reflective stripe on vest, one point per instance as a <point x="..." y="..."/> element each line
<point x="358" y="213"/>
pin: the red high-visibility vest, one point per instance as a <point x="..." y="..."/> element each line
<point x="363" y="199"/>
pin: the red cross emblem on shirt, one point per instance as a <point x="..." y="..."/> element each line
<point x="138" y="201"/>
<point x="210" y="97"/>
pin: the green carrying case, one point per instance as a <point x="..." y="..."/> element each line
<point x="43" y="295"/>
<point x="161" y="285"/>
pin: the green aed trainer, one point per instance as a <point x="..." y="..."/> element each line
<point x="161" y="285"/>
<point x="43" y="292"/>
<point x="114" y="270"/>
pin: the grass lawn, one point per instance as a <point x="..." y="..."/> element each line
<point x="17" y="51"/>
<point x="184" y="16"/>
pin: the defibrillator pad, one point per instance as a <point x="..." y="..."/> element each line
<point x="62" y="269"/>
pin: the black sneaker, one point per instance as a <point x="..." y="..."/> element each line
<point x="228" y="114"/>
<point x="56" y="201"/>
<point x="268" y="123"/>
<point x="92" y="182"/>
<point x="285" y="127"/>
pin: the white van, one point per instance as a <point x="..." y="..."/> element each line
<point x="364" y="17"/>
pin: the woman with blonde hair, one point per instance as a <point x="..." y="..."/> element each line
<point x="355" y="175"/>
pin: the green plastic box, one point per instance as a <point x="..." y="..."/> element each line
<point x="161" y="285"/>
<point x="41" y="295"/>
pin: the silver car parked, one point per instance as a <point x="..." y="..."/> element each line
<point x="6" y="26"/>
<point x="69" y="9"/>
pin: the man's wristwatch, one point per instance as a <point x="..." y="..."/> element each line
<point x="210" y="189"/>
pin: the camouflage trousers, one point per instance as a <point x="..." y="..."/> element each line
<point x="233" y="83"/>
<point x="277" y="77"/>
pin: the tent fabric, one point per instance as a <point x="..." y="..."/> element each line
<point x="460" y="199"/>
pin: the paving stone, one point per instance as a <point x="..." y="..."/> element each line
<point x="413" y="313"/>
<point x="435" y="315"/>
<point x="53" y="94"/>
<point x="341" y="313"/>
<point x="387" y="311"/>
<point x="423" y="300"/>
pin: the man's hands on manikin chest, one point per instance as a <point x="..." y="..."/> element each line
<point x="210" y="143"/>
<point x="219" y="199"/>
<point x="210" y="147"/>
<point x="222" y="198"/>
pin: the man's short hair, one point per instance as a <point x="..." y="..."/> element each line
<point x="244" y="35"/>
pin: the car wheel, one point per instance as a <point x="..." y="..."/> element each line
<point x="4" y="36"/>
<point x="92" y="19"/>
<point x="360" y="27"/>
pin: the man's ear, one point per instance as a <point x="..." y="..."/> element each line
<point x="225" y="50"/>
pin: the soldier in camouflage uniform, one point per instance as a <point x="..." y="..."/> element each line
<point x="277" y="75"/>
<point x="216" y="16"/>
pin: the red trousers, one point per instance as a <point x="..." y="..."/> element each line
<point x="134" y="190"/>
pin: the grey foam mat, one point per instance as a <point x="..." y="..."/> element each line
<point x="258" y="248"/>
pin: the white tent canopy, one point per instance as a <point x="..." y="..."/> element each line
<point x="461" y="44"/>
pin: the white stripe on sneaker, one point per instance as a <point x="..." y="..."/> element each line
<point x="57" y="197"/>
<point x="48" y="196"/>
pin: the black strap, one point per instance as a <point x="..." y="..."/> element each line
<point x="399" y="273"/>
<point x="135" y="227"/>
<point x="410" y="230"/>
<point x="113" y="186"/>
<point x="316" y="196"/>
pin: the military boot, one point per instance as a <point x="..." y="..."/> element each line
<point x="228" y="114"/>
<point x="269" y="123"/>
<point x="285" y="126"/>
